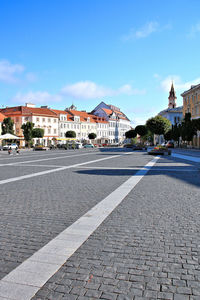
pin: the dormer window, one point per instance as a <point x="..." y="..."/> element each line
<point x="88" y="119"/>
<point x="76" y="119"/>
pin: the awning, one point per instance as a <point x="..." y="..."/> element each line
<point x="66" y="139"/>
<point x="9" y="136"/>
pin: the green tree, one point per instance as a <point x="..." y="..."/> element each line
<point x="176" y="132"/>
<point x="28" y="132"/>
<point x="130" y="134"/>
<point x="38" y="132"/>
<point x="158" y="125"/>
<point x="168" y="135"/>
<point x="141" y="130"/>
<point x="92" y="136"/>
<point x="7" y="126"/>
<point x="70" y="134"/>
<point x="188" y="128"/>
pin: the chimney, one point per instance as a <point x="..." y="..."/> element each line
<point x="30" y="105"/>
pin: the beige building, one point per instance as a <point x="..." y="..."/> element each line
<point x="191" y="104"/>
<point x="42" y="117"/>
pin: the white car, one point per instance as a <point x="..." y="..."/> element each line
<point x="10" y="146"/>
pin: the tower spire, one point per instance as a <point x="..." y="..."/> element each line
<point x="172" y="97"/>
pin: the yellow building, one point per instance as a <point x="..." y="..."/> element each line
<point x="191" y="104"/>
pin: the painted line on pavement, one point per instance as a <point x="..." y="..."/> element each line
<point x="58" y="169"/>
<point x="23" y="282"/>
<point x="22" y="155"/>
<point x="135" y="169"/>
<point x="186" y="157"/>
<point x="49" y="158"/>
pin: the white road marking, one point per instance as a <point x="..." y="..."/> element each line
<point x="187" y="157"/>
<point x="135" y="168"/>
<point x="58" y="169"/>
<point x="22" y="155"/>
<point x="48" y="158"/>
<point x="23" y="282"/>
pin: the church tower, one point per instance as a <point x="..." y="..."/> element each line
<point x="172" y="97"/>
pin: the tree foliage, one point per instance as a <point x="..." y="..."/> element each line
<point x="7" y="126"/>
<point x="70" y="134"/>
<point x="28" y="131"/>
<point x="37" y="132"/>
<point x="92" y="136"/>
<point x="130" y="134"/>
<point x="188" y="128"/>
<point x="158" y="125"/>
<point x="141" y="130"/>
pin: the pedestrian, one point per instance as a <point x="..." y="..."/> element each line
<point x="9" y="151"/>
<point x="17" y="151"/>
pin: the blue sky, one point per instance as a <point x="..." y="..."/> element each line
<point x="84" y="51"/>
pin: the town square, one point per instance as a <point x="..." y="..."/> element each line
<point x="99" y="150"/>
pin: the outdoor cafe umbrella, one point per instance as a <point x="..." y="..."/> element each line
<point x="9" y="136"/>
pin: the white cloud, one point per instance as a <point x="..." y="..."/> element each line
<point x="9" y="72"/>
<point x="195" y="29"/>
<point x="36" y="98"/>
<point x="143" y="32"/>
<point x="179" y="85"/>
<point x="91" y="90"/>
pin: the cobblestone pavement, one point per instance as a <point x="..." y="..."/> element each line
<point x="33" y="211"/>
<point x="146" y="249"/>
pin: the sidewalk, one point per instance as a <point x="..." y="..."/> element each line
<point x="187" y="154"/>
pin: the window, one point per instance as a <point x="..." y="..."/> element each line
<point x="49" y="130"/>
<point x="54" y="131"/>
<point x="38" y="119"/>
<point x="17" y="119"/>
<point x="64" y="125"/>
<point x="26" y="118"/>
<point x="43" y="119"/>
<point x="49" y="120"/>
<point x="54" y="120"/>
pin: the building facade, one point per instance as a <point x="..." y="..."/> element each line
<point x="41" y="117"/>
<point x="173" y="113"/>
<point x="117" y="120"/>
<point x="191" y="104"/>
<point x="106" y="121"/>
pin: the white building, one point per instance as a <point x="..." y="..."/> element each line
<point x="118" y="121"/>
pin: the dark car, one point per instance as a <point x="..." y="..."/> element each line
<point x="137" y="147"/>
<point x="128" y="146"/>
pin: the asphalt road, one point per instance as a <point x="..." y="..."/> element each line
<point x="147" y="247"/>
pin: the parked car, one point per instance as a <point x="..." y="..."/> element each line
<point x="137" y="147"/>
<point x="10" y="146"/>
<point x="128" y="146"/>
<point x="88" y="146"/>
<point x="79" y="145"/>
<point x="40" y="148"/>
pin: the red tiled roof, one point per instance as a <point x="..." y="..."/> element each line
<point x="108" y="111"/>
<point x="59" y="112"/>
<point x="84" y="115"/>
<point x="2" y="117"/>
<point x="24" y="110"/>
<point x="117" y="112"/>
